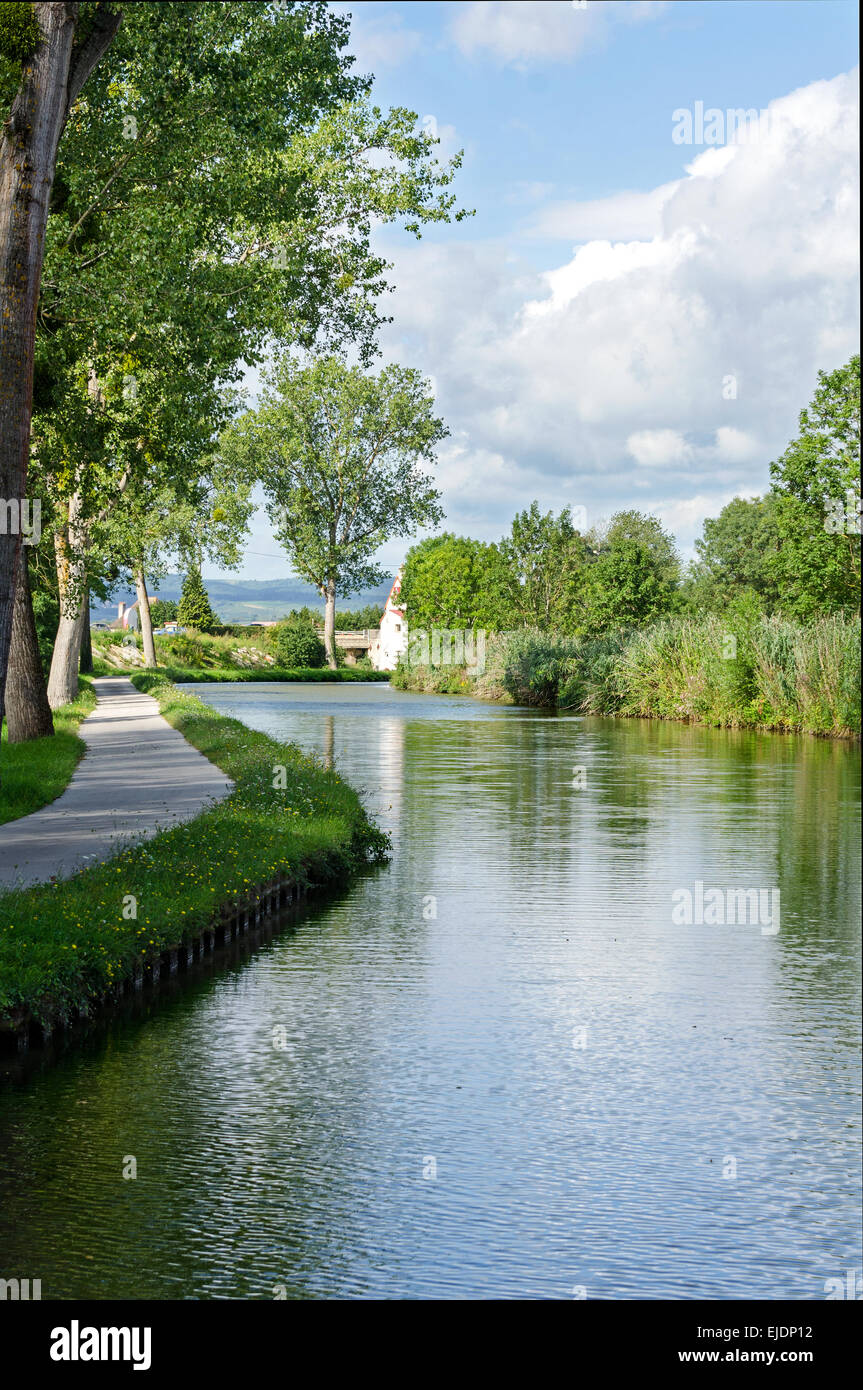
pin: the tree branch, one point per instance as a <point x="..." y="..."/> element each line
<point x="86" y="55"/>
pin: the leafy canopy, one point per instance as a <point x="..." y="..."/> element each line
<point x="342" y="456"/>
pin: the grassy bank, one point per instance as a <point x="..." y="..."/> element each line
<point x="188" y="674"/>
<point x="64" y="945"/>
<point x="35" y="773"/>
<point x="725" y="671"/>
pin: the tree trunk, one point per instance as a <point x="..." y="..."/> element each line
<point x="51" y="80"/>
<point x="146" y="620"/>
<point x="28" y="713"/>
<point x="70" y="547"/>
<point x="330" y="623"/>
<point x="85" y="663"/>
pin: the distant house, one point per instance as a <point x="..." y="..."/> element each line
<point x="127" y="617"/>
<point x="391" y="638"/>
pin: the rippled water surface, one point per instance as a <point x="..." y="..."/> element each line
<point x="507" y="1071"/>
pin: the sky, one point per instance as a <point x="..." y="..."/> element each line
<point x="638" y="310"/>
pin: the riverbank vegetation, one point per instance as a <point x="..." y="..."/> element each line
<point x="761" y="629"/>
<point x="36" y="772"/>
<point x="290" y="650"/>
<point x="63" y="945"/>
<point x="784" y="676"/>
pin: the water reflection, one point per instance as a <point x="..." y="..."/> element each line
<point x="510" y="998"/>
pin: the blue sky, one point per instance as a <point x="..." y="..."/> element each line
<point x="579" y="328"/>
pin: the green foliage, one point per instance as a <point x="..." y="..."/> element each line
<point x="627" y="586"/>
<point x="741" y="670"/>
<point x="63" y="945"/>
<point x="733" y="555"/>
<point x="812" y="570"/>
<point x="452" y="582"/>
<point x="341" y="455"/>
<point x="534" y="664"/>
<point x="183" y="650"/>
<point x="217" y="185"/>
<point x="358" y="619"/>
<point x="19" y="31"/>
<point x="815" y="563"/>
<point x="194" y="608"/>
<point x="824" y="460"/>
<point x="542" y="565"/>
<point x="163" y="610"/>
<point x="297" y="644"/>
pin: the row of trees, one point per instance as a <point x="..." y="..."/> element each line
<point x="184" y="189"/>
<point x="795" y="551"/>
<point x="544" y="574"/>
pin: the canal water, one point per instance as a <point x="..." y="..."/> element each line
<point x="504" y="1066"/>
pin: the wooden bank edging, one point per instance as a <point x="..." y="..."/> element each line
<point x="235" y="919"/>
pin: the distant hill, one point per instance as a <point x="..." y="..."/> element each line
<point x="249" y="600"/>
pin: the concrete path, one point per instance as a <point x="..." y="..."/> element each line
<point x="137" y="776"/>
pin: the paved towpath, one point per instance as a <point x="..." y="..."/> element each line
<point x="137" y="776"/>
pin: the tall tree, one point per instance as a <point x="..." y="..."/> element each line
<point x="28" y="710"/>
<point x="55" y="53"/>
<point x="544" y="559"/>
<point x="633" y="575"/>
<point x="341" y="455"/>
<point x="816" y="495"/>
<point x="733" y="553"/>
<point x="454" y="582"/>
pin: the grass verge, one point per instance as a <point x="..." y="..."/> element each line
<point x="220" y="674"/>
<point x="64" y="945"/>
<point x="35" y="773"/>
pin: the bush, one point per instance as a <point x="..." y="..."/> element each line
<point x="185" y="650"/>
<point x="297" y="644"/>
<point x="163" y="610"/>
<point x="535" y="663"/>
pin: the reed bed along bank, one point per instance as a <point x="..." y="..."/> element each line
<point x="730" y="673"/>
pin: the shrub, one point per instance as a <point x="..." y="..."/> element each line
<point x="185" y="650"/>
<point x="163" y="610"/>
<point x="534" y="663"/>
<point x="297" y="644"/>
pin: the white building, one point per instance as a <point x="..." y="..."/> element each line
<point x="391" y="638"/>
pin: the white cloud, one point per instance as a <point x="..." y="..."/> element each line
<point x="379" y="41"/>
<point x="527" y="31"/>
<point x="629" y="216"/>
<point x="654" y="448"/>
<point x="603" y="383"/>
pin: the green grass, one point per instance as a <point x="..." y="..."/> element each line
<point x="189" y="674"/>
<point x="63" y="945"/>
<point x="35" y="773"/>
